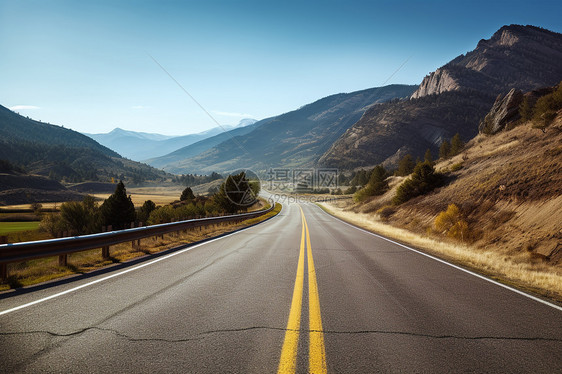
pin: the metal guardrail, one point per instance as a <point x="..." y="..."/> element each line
<point x="16" y="252"/>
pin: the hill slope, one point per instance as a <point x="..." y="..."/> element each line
<point x="452" y="99"/>
<point x="64" y="154"/>
<point x="172" y="162"/>
<point x="294" y="139"/>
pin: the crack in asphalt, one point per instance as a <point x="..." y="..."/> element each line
<point x="203" y="334"/>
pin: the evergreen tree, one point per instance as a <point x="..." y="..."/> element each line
<point x="456" y="145"/>
<point x="145" y="210"/>
<point x="444" y="149"/>
<point x="428" y="156"/>
<point x="405" y="166"/>
<point x="118" y="209"/>
<point x="236" y="193"/>
<point x="187" y="195"/>
<point x="423" y="180"/>
<point x="377" y="182"/>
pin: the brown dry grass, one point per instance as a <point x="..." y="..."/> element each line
<point x="509" y="190"/>
<point x="45" y="269"/>
<point x="518" y="270"/>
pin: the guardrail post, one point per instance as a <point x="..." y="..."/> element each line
<point x="105" y="252"/>
<point x="4" y="266"/>
<point x="138" y="241"/>
<point x="133" y="242"/>
<point x="63" y="260"/>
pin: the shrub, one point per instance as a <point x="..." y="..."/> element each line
<point x="452" y="224"/>
<point x="351" y="190"/>
<point x="546" y="108"/>
<point x="456" y="167"/>
<point x="386" y="212"/>
<point x="145" y="210"/>
<point x="162" y="214"/>
<point x="377" y="184"/>
<point x="423" y="180"/>
<point x="81" y="217"/>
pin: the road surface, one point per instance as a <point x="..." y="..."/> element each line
<point x="302" y="292"/>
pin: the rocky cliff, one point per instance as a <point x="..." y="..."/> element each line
<point x="510" y="58"/>
<point x="453" y="99"/>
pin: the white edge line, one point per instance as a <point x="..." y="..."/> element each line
<point x="448" y="263"/>
<point x="120" y="273"/>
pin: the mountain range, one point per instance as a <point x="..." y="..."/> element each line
<point x="293" y="139"/>
<point x="141" y="146"/>
<point x="453" y="99"/>
<point x="365" y="128"/>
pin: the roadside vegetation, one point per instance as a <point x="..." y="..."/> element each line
<point x="118" y="212"/>
<point x="493" y="205"/>
<point x="46" y="269"/>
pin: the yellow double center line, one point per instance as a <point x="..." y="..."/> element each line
<point x="316" y="349"/>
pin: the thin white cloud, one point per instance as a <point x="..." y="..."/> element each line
<point x="232" y="114"/>
<point x="24" y="107"/>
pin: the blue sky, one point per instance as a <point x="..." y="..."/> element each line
<point x="87" y="65"/>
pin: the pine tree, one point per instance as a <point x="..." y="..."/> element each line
<point x="377" y="182"/>
<point x="428" y="156"/>
<point x="456" y="145"/>
<point x="444" y="149"/>
<point x="118" y="209"/>
<point x="187" y="194"/>
<point x="405" y="166"/>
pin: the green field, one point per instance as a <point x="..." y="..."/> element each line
<point x="9" y="227"/>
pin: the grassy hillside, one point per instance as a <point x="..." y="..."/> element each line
<point x="63" y="154"/>
<point x="508" y="188"/>
<point x="499" y="211"/>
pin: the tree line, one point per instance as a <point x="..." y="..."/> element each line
<point x="118" y="210"/>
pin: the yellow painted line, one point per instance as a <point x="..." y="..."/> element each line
<point x="288" y="361"/>
<point x="316" y="348"/>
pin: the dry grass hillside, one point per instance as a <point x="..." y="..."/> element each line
<point x="508" y="188"/>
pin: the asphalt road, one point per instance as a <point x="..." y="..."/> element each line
<point x="302" y="291"/>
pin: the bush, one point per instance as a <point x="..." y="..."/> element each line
<point x="377" y="184"/>
<point x="386" y="212"/>
<point x="456" y="167"/>
<point x="145" y="210"/>
<point x="351" y="190"/>
<point x="452" y="224"/>
<point x="546" y="108"/>
<point x="163" y="214"/>
<point x="423" y="180"/>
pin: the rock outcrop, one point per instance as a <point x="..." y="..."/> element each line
<point x="504" y="112"/>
